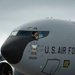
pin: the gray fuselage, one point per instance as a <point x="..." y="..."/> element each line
<point x="52" y="54"/>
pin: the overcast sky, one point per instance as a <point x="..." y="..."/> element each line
<point x="14" y="13"/>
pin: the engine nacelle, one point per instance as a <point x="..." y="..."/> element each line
<point x="7" y="69"/>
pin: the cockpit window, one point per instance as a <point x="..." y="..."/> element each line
<point x="34" y="34"/>
<point x="41" y="34"/>
<point x="24" y="33"/>
<point x="14" y="33"/>
<point x="20" y="33"/>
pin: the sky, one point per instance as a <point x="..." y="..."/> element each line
<point x="14" y="13"/>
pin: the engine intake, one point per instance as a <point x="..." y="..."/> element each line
<point x="6" y="69"/>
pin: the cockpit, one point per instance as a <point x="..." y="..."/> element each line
<point x="34" y="34"/>
<point x="18" y="41"/>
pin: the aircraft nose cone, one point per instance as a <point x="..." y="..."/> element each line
<point x="12" y="49"/>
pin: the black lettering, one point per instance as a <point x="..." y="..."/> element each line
<point x="53" y="50"/>
<point x="73" y="50"/>
<point x="59" y="50"/>
<point x="64" y="50"/>
<point x="46" y="49"/>
<point x="69" y="50"/>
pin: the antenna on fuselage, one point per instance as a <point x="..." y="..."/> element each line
<point x="51" y="17"/>
<point x="48" y="17"/>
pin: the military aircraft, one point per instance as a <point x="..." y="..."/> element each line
<point x="42" y="47"/>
